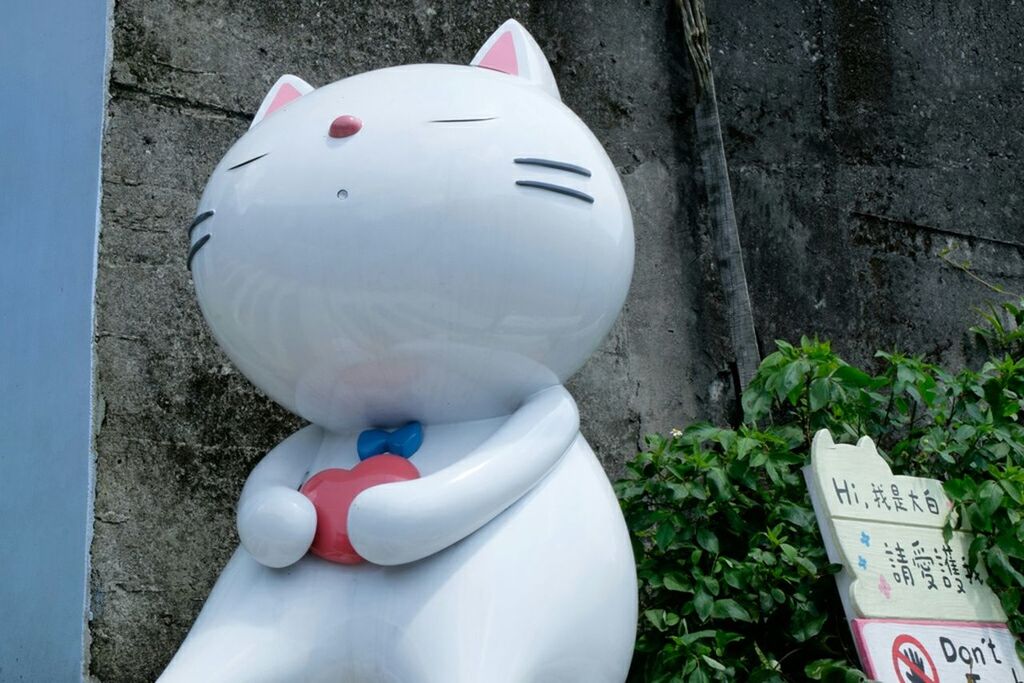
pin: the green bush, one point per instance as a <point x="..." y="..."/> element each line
<point x="734" y="580"/>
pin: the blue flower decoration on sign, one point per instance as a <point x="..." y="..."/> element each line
<point x="404" y="441"/>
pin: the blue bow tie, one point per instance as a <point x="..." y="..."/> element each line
<point x="403" y="441"/>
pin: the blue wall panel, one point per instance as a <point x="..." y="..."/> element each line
<point x="52" y="89"/>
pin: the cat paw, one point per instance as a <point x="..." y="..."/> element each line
<point x="276" y="526"/>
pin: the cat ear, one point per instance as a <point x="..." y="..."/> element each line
<point x="287" y="89"/>
<point x="512" y="50"/>
<point x="867" y="443"/>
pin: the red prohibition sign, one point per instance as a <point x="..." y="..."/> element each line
<point x="922" y="669"/>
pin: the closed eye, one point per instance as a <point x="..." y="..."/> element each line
<point x="471" y="120"/>
<point x="248" y="161"/>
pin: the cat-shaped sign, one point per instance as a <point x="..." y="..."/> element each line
<point x="414" y="260"/>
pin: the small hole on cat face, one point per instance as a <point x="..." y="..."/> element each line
<point x="343" y="194"/>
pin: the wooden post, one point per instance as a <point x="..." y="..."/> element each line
<point x="726" y="238"/>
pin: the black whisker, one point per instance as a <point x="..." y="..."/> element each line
<point x="198" y="219"/>
<point x="567" y="191"/>
<point x="196" y="247"/>
<point x="232" y="168"/>
<point x="489" y="118"/>
<point x="560" y="165"/>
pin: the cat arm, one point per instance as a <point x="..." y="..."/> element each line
<point x="407" y="521"/>
<point x="276" y="523"/>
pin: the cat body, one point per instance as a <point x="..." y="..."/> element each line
<point x="442" y="244"/>
<point x="544" y="592"/>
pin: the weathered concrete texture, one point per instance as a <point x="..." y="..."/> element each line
<point x="622" y="68"/>
<point x="873" y="143"/>
<point x="180" y="427"/>
<point x="865" y="138"/>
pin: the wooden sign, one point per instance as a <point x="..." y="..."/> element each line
<point x="902" y="651"/>
<point x="886" y="531"/>
<point x="856" y="483"/>
<point x="912" y="572"/>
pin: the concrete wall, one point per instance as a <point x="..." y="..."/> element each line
<point x="867" y="139"/>
<point x="53" y="78"/>
<point x="864" y="137"/>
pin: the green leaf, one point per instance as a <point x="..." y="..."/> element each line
<point x="680" y="492"/>
<point x="820" y="393"/>
<point x="719" y="484"/>
<point x="699" y="676"/>
<point x="792" y="380"/>
<point x="746" y="444"/>
<point x="713" y="663"/>
<point x="708" y="540"/>
<point x="806" y="565"/>
<point x="847" y="374"/>
<point x="756" y="404"/>
<point x="674" y="583"/>
<point x="796" y="515"/>
<point x="1012" y="490"/>
<point x="703" y="604"/>
<point x="656" y="617"/>
<point x="833" y="670"/>
<point x="978" y="520"/>
<point x="990" y="497"/>
<point x="735" y="579"/>
<point x="691" y="638"/>
<point x="729" y="609"/>
<point x="999" y="563"/>
<point x="1010" y="601"/>
<point x="697" y="491"/>
<point x="806" y="625"/>
<point x="816" y="669"/>
<point x="959" y="489"/>
<point x="665" y="535"/>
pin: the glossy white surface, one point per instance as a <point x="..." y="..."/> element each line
<point x="544" y="592"/>
<point x="276" y="523"/>
<point x="437" y="289"/>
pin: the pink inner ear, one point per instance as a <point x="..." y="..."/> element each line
<point x="285" y="94"/>
<point x="502" y="56"/>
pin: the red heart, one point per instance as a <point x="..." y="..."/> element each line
<point x="332" y="492"/>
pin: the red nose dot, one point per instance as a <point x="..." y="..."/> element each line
<point x="344" y="126"/>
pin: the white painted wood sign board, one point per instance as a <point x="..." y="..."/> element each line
<point x="857" y="483"/>
<point x="907" y="651"/>
<point x="886" y="531"/>
<point x="912" y="572"/>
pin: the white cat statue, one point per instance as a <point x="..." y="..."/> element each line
<point x="414" y="260"/>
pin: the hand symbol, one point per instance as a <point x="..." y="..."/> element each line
<point x="916" y="660"/>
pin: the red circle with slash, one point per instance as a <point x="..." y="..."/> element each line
<point x="909" y="655"/>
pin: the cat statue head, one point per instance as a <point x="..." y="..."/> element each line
<point x="425" y="242"/>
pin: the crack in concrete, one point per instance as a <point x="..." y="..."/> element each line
<point x="120" y="519"/>
<point x="124" y="337"/>
<point x="185" y="69"/>
<point x="931" y="228"/>
<point x="196" y="446"/>
<point x="130" y="91"/>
